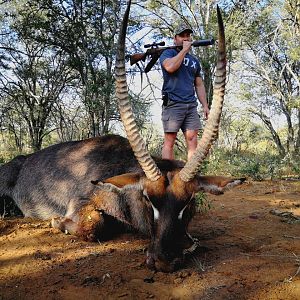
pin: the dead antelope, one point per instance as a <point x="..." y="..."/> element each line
<point x="169" y="191"/>
<point x="153" y="196"/>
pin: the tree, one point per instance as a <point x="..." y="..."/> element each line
<point x="82" y="35"/>
<point x="33" y="83"/>
<point x="85" y="31"/>
<point x="13" y="124"/>
<point x="271" y="82"/>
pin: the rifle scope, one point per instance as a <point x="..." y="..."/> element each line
<point x="154" y="44"/>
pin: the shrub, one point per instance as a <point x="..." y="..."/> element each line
<point x="257" y="166"/>
<point x="202" y="202"/>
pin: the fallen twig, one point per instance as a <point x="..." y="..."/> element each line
<point x="291" y="237"/>
<point x="267" y="255"/>
<point x="290" y="279"/>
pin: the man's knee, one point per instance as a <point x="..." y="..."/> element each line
<point x="170" y="139"/>
<point x="191" y="142"/>
<point x="191" y="135"/>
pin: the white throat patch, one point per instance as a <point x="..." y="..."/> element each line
<point x="181" y="213"/>
<point x="155" y="211"/>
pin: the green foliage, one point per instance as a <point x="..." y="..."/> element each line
<point x="154" y="140"/>
<point x="290" y="166"/>
<point x="270" y="85"/>
<point x="58" y="52"/>
<point x="8" y="148"/>
<point x="202" y="203"/>
<point x="257" y="166"/>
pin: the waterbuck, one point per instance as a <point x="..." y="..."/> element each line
<point x="87" y="186"/>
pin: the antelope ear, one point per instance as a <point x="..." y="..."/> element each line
<point x="231" y="183"/>
<point x="217" y="184"/>
<point x="120" y="192"/>
<point x="124" y="179"/>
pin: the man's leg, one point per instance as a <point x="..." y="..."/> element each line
<point x="169" y="141"/>
<point x="191" y="141"/>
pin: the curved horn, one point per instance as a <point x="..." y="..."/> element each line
<point x="137" y="143"/>
<point x="212" y="126"/>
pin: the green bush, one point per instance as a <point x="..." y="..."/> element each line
<point x="202" y="202"/>
<point x="257" y="166"/>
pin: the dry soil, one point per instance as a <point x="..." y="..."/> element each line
<point x="249" y="249"/>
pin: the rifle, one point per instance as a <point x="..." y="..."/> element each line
<point x="155" y="52"/>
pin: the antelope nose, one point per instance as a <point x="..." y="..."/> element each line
<point x="159" y="265"/>
<point x="164" y="267"/>
<point x="154" y="263"/>
<point x="168" y="267"/>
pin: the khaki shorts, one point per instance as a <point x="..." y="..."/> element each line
<point x="178" y="115"/>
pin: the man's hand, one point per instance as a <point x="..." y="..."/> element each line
<point x="172" y="64"/>
<point x="186" y="46"/>
<point x="206" y="112"/>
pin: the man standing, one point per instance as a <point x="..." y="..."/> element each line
<point x="182" y="79"/>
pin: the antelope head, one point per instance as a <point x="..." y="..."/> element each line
<point x="169" y="192"/>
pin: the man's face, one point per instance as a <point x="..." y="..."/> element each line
<point x="184" y="36"/>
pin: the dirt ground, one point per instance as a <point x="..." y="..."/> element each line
<point x="250" y="249"/>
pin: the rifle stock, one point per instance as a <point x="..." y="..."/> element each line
<point x="134" y="58"/>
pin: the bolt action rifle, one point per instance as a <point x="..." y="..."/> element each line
<point x="155" y="52"/>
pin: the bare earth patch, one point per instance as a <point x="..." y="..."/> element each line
<point x="250" y="249"/>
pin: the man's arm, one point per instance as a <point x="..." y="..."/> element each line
<point x="172" y="64"/>
<point x="201" y="94"/>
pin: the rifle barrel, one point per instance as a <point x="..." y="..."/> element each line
<point x="203" y="42"/>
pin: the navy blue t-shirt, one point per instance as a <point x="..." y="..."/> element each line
<point x="180" y="85"/>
